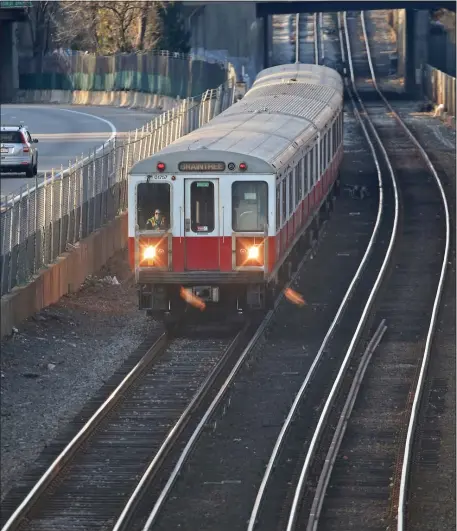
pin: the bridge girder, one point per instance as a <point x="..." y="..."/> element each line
<point x="315" y="6"/>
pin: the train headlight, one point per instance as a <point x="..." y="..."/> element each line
<point x="253" y="252"/>
<point x="149" y="253"/>
<point x="249" y="252"/>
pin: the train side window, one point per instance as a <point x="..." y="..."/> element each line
<point x="308" y="176"/>
<point x="340" y="128"/>
<point x="278" y="206"/>
<point x="290" y="184"/>
<point x="304" y="165"/>
<point x="320" y="169"/>
<point x="153" y="198"/>
<point x="284" y="201"/>
<point x="329" y="143"/>
<point x="297" y="183"/>
<point x="249" y="206"/>
<point x="324" y="153"/>
<point x="299" y="180"/>
<point x="336" y="134"/>
<point x="202" y="206"/>
<point x="316" y="165"/>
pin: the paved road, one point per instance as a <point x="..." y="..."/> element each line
<point x="66" y="131"/>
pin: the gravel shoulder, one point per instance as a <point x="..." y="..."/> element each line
<point x="59" y="359"/>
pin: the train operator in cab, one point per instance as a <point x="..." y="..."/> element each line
<point x="157" y="221"/>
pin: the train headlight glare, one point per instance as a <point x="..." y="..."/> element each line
<point x="253" y="253"/>
<point x="149" y="253"/>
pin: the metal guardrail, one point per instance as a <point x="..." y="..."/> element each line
<point x="440" y="88"/>
<point x="42" y="222"/>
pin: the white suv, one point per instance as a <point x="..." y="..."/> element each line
<point x="18" y="152"/>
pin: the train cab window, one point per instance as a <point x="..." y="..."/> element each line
<point x="249" y="206"/>
<point x="284" y="201"/>
<point x="153" y="206"/>
<point x="202" y="206"/>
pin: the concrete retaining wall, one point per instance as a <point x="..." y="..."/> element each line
<point x="87" y="97"/>
<point x="65" y="276"/>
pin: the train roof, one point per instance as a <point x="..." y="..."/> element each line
<point x="285" y="108"/>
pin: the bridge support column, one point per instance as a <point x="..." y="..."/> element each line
<point x="9" y="65"/>
<point x="267" y="40"/>
<point x="6" y="62"/>
<point x="417" y="35"/>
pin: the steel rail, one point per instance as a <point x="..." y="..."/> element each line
<point x="282" y="435"/>
<point x="297" y="39"/>
<point x="123" y="521"/>
<point x="316" y="44"/>
<point x="68" y="452"/>
<point x="350" y="351"/>
<point x="321" y="40"/>
<point x="436" y="303"/>
<point x="332" y="453"/>
<point x="212" y="407"/>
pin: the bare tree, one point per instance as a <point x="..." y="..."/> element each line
<point x="41" y="27"/>
<point x="78" y="25"/>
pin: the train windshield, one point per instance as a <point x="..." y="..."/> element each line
<point x="249" y="206"/>
<point x="153" y="206"/>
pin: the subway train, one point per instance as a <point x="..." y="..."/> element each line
<point x="222" y="216"/>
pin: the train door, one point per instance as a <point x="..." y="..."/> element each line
<point x="201" y="224"/>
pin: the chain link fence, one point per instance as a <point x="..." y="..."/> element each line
<point x="440" y="88"/>
<point x="42" y="222"/>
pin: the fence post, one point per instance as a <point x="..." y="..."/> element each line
<point x="94" y="202"/>
<point x="70" y="174"/>
<point x="10" y="269"/>
<point x="28" y="265"/>
<point x="81" y="199"/>
<point x="102" y="187"/>
<point x="35" y="261"/>
<point x="61" y="209"/>
<point x="52" y="215"/>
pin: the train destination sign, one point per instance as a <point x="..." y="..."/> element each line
<point x="201" y="166"/>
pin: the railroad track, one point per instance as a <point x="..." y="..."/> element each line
<point x="140" y="420"/>
<point x="363" y="477"/>
<point x="212" y="483"/>
<point x="284" y="497"/>
<point x="296" y="478"/>
<point x="307" y="42"/>
<point x="118" y="449"/>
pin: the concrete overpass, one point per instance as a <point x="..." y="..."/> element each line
<point x="330" y="6"/>
<point x="412" y="34"/>
<point x="10" y="13"/>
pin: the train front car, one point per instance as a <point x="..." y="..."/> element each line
<point x="215" y="217"/>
